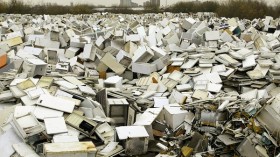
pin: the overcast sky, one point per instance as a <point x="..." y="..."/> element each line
<point x="112" y="2"/>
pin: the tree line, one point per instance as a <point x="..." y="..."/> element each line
<point x="248" y="9"/>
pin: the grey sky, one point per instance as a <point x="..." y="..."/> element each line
<point x="111" y="2"/>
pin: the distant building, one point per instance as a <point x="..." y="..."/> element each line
<point x="155" y="3"/>
<point x="147" y="3"/>
<point x="134" y="4"/>
<point x="125" y="3"/>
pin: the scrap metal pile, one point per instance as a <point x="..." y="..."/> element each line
<point x="162" y="85"/>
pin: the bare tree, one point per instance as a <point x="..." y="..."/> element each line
<point x="16" y="6"/>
